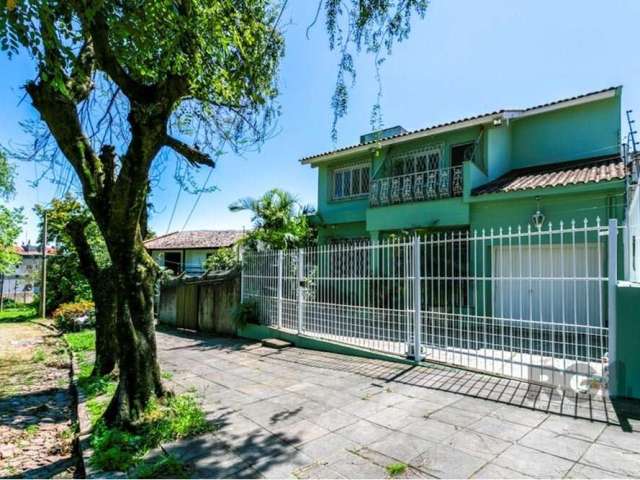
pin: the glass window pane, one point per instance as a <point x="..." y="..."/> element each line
<point x="364" y="182"/>
<point x="337" y="184"/>
<point x="346" y="184"/>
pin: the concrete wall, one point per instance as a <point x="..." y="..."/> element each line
<point x="626" y="370"/>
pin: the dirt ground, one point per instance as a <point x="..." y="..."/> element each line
<point x="36" y="430"/>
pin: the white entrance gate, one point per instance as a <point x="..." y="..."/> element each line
<point x="526" y="303"/>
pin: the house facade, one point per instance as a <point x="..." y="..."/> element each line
<point x="188" y="250"/>
<point x="549" y="163"/>
<point x="24" y="282"/>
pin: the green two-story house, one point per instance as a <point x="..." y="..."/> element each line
<point x="549" y="163"/>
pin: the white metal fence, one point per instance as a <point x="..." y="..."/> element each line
<point x="527" y="303"/>
<point x="632" y="262"/>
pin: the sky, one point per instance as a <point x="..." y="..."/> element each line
<point x="465" y="58"/>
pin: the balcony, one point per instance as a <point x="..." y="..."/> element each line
<point x="416" y="187"/>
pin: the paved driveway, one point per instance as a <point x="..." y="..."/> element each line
<point x="307" y="414"/>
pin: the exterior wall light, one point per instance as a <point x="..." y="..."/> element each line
<point x="537" y="219"/>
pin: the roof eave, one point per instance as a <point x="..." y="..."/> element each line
<point x="401" y="139"/>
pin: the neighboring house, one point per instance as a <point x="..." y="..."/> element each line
<point x="561" y="159"/>
<point x="24" y="281"/>
<point x="187" y="251"/>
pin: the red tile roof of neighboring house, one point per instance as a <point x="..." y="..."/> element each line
<point x="194" y="239"/>
<point x="29" y="249"/>
<point x="598" y="169"/>
<point x="454" y="122"/>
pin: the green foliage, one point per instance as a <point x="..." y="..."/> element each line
<point x="246" y="312"/>
<point x="17" y="314"/>
<point x="11" y="221"/>
<point x="65" y="315"/>
<point x="168" y="466"/>
<point x="7" y="177"/>
<point x="279" y="221"/>
<point x="179" y="417"/>
<point x="65" y="280"/>
<point x="83" y="341"/>
<point x="222" y="259"/>
<point x="395" y="469"/>
<point x="38" y="355"/>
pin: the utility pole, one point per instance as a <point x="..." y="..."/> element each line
<point x="1" y="292"/>
<point x="43" y="270"/>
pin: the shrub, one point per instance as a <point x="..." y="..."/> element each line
<point x="246" y="312"/>
<point x="66" y="316"/>
<point x="222" y="259"/>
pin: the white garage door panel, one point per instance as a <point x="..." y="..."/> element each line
<point x="549" y="284"/>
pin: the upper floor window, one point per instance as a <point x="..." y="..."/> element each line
<point x="416" y="161"/>
<point x="350" y="182"/>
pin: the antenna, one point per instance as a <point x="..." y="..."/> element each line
<point x="632" y="132"/>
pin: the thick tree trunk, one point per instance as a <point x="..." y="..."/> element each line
<point x="138" y="363"/>
<point x="104" y="292"/>
<point x="105" y="298"/>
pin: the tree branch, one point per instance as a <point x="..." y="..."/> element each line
<point x="194" y="156"/>
<point x="98" y="28"/>
<point x="76" y="230"/>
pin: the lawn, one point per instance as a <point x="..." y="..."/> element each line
<point x="17" y="314"/>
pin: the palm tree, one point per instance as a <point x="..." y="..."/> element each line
<point x="279" y="220"/>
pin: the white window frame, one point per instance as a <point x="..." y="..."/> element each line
<point x="352" y="168"/>
<point x="412" y="156"/>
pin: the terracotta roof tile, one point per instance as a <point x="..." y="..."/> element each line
<point x="594" y="170"/>
<point x="195" y="239"/>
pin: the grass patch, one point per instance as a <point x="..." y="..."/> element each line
<point x="167" y="467"/>
<point x="167" y="375"/>
<point x="82" y="341"/>
<point x="31" y="431"/>
<point x="17" y="314"/>
<point x="38" y="355"/>
<point x="118" y="450"/>
<point x="395" y="469"/>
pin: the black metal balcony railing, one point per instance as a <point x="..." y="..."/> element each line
<point x="416" y="187"/>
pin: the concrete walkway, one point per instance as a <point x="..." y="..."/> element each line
<point x="307" y="414"/>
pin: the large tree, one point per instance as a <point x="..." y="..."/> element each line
<point x="118" y="81"/>
<point x="82" y="258"/>
<point x="11" y="220"/>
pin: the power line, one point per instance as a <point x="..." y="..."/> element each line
<point x="195" y="204"/>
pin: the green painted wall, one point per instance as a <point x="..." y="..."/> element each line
<point x="582" y="131"/>
<point x="571" y="133"/>
<point x="437" y="213"/>
<point x="557" y="204"/>
<point x="342" y="230"/>
<point x="627" y="368"/>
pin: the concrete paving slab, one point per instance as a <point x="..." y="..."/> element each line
<point x="623" y="462"/>
<point x="533" y="463"/>
<point x="315" y="414"/>
<point x="572" y="427"/>
<point x="555" y="444"/>
<point x="500" y="428"/>
<point x="401" y="446"/>
<point x="446" y="462"/>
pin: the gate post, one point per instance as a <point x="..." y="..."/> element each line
<point x="417" y="302"/>
<point x="300" y="290"/>
<point x="280" y="289"/>
<point x="611" y="313"/>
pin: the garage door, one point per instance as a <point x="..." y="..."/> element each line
<point x="549" y="284"/>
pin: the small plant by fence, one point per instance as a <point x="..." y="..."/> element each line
<point x="522" y="302"/>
